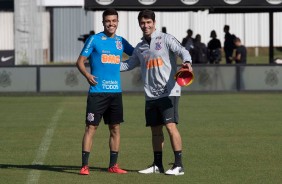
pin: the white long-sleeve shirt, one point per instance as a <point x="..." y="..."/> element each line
<point x="157" y="60"/>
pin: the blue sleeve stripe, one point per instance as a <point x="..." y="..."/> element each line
<point x="88" y="47"/>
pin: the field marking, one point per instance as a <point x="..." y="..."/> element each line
<point x="34" y="175"/>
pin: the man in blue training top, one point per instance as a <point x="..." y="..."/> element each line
<point x="104" y="51"/>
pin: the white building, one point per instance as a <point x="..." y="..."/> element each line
<point x="60" y="23"/>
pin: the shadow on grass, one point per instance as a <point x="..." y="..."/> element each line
<point x="56" y="168"/>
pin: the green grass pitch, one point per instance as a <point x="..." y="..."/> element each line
<point x="227" y="139"/>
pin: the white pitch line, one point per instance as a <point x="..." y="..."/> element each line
<point x="34" y="175"/>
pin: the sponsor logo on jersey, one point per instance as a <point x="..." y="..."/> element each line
<point x="106" y="52"/>
<point x="103" y="37"/>
<point x="275" y="2"/>
<point x="119" y="45"/>
<point x="159" y="91"/>
<point x="153" y="63"/>
<point x="158" y="46"/>
<point x="110" y="58"/>
<point x="109" y="84"/>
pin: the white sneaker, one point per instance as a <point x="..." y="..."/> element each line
<point x="175" y="170"/>
<point x="152" y="169"/>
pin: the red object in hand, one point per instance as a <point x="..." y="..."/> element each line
<point x="184" y="77"/>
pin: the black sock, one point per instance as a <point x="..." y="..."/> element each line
<point x="85" y="156"/>
<point x="178" y="158"/>
<point x="113" y="158"/>
<point x="158" y="158"/>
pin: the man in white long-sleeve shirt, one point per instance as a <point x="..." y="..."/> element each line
<point x="156" y="55"/>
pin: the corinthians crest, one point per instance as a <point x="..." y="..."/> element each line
<point x="271" y="78"/>
<point x="204" y="78"/>
<point x="71" y="78"/>
<point x="5" y="79"/>
<point x="119" y="45"/>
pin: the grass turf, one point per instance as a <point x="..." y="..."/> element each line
<point x="227" y="138"/>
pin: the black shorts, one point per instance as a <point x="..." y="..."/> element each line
<point x="162" y="111"/>
<point x="106" y="105"/>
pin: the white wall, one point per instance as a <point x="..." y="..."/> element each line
<point x="6" y="31"/>
<point x="55" y="3"/>
<point x="253" y="28"/>
<point x="46" y="30"/>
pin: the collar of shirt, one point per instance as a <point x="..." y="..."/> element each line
<point x="103" y="33"/>
<point x="153" y="35"/>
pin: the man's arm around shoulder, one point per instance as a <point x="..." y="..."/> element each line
<point x="131" y="63"/>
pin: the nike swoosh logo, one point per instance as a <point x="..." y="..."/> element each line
<point x="4" y="59"/>
<point x="168" y="119"/>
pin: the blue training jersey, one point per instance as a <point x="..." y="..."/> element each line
<point x="105" y="54"/>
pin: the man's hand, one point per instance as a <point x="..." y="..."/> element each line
<point x="188" y="65"/>
<point x="80" y="63"/>
<point x="91" y="79"/>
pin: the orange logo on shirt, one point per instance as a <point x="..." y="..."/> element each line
<point x="109" y="58"/>
<point x="157" y="62"/>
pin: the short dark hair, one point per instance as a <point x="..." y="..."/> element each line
<point x="213" y="34"/>
<point x="198" y="37"/>
<point x="147" y="14"/>
<point x="189" y="31"/>
<point x="109" y="11"/>
<point x="237" y="39"/>
<point x="227" y="27"/>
